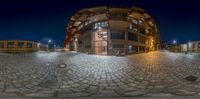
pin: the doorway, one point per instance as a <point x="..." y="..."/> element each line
<point x="99" y="42"/>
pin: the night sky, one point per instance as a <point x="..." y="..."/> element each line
<point x="39" y="20"/>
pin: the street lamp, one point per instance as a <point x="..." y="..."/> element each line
<point x="38" y="45"/>
<point x="175" y="42"/>
<point x="49" y="41"/>
<point x="190" y="46"/>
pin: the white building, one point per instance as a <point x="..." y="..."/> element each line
<point x="193" y="46"/>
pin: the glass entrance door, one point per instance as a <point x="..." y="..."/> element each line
<point x="99" y="42"/>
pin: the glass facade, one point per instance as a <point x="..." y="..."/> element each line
<point x="133" y="27"/>
<point x="103" y="24"/>
<point x="132" y="37"/>
<point x="135" y="21"/>
<point x="99" y="42"/>
<point x="93" y="26"/>
<point x="111" y="29"/>
<point x="117" y="35"/>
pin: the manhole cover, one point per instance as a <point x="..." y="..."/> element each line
<point x="191" y="78"/>
<point x="62" y="65"/>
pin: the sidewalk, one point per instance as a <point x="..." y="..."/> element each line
<point x="174" y="97"/>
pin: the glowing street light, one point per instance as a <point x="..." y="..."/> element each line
<point x="38" y="45"/>
<point x="174" y="42"/>
<point x="176" y="47"/>
<point x="49" y="41"/>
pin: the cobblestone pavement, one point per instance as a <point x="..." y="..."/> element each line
<point x="147" y="74"/>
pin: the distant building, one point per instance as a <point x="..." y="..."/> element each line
<point x="42" y="47"/>
<point x="19" y="46"/>
<point x="183" y="47"/>
<point x="193" y="46"/>
<point x="110" y="30"/>
<point x="175" y="48"/>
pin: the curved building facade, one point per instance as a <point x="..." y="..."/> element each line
<point x="111" y="30"/>
<point x="18" y="46"/>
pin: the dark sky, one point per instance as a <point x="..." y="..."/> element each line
<point x="40" y="19"/>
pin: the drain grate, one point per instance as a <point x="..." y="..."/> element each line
<point x="191" y="78"/>
<point x="62" y="65"/>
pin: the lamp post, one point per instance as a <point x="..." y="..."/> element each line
<point x="190" y="46"/>
<point x="175" y="43"/>
<point x="39" y="46"/>
<point x="49" y="41"/>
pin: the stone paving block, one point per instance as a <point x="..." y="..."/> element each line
<point x="133" y="75"/>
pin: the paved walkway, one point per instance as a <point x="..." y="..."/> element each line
<point x="148" y="74"/>
<point x="174" y="97"/>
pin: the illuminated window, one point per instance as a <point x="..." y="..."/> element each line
<point x="89" y="21"/>
<point x="151" y="23"/>
<point x="86" y="23"/>
<point x="130" y="26"/>
<point x="140" y="21"/>
<point x="135" y="29"/>
<point x="100" y="25"/>
<point x="133" y="26"/>
<point x="96" y="26"/>
<point x="135" y="21"/>
<point x="105" y="35"/>
<point x="147" y="31"/>
<point x="130" y="48"/>
<point x="104" y="24"/>
<point x="81" y="26"/>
